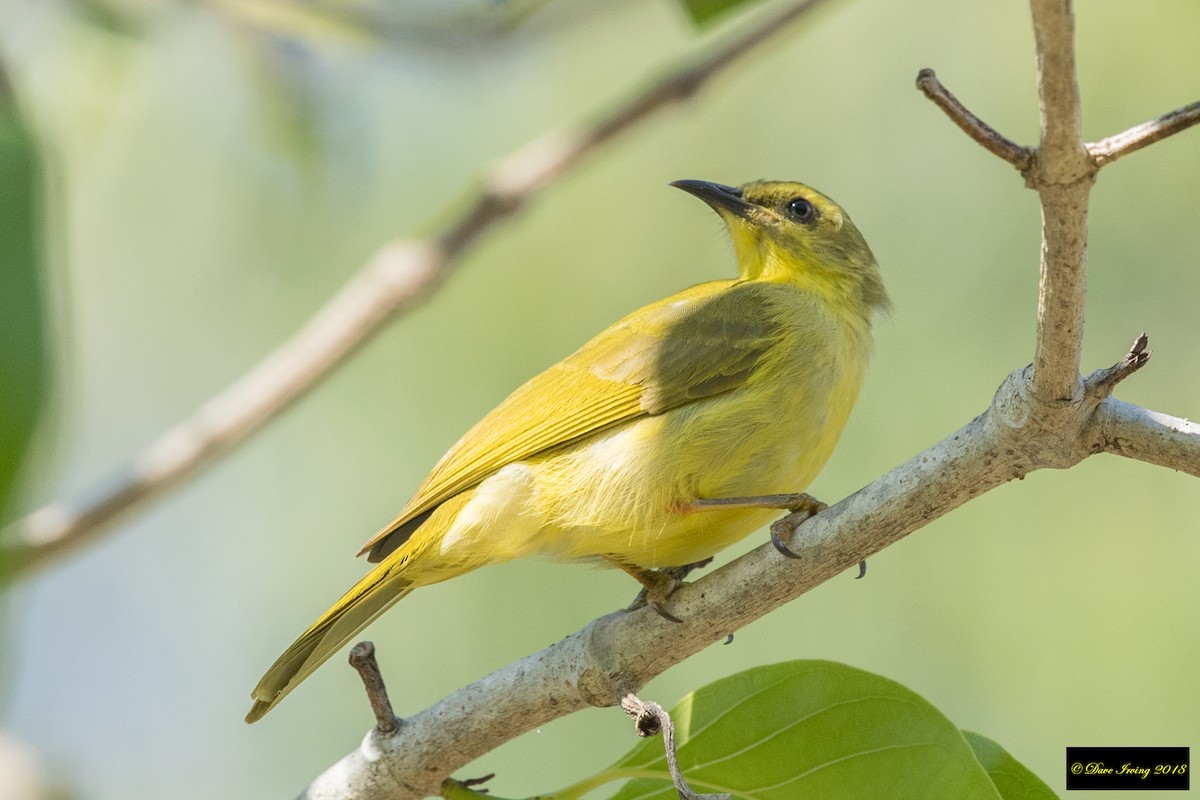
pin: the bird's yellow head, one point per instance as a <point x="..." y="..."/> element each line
<point x="791" y="232"/>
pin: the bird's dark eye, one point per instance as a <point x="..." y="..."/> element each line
<point x="800" y="210"/>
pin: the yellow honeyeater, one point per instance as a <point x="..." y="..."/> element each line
<point x="729" y="389"/>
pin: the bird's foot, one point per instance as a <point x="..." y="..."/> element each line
<point x="803" y="508"/>
<point x="802" y="505"/>
<point x="657" y="585"/>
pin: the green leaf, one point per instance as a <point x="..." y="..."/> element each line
<point x="809" y="729"/>
<point x="1012" y="779"/>
<point x="22" y="343"/>
<point x="703" y="11"/>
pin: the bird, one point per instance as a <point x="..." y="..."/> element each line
<point x="665" y="438"/>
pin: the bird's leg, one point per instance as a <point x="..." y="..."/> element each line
<point x="657" y="585"/>
<point x="791" y="502"/>
<point x="801" y="505"/>
<point x="682" y="571"/>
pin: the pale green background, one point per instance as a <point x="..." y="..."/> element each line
<point x="214" y="184"/>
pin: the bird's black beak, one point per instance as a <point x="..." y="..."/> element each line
<point x="718" y="196"/>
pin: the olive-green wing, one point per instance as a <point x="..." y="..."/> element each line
<point x="703" y="341"/>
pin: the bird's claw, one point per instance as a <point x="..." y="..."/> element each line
<point x="660" y="608"/>
<point x="803" y="508"/>
<point x="781" y="545"/>
<point x="657" y="588"/>
<point x="656" y="596"/>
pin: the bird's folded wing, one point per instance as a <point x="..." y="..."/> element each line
<point x="706" y="340"/>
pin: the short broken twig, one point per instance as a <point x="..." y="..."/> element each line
<point x="649" y="718"/>
<point x="1102" y="382"/>
<point x="362" y="658"/>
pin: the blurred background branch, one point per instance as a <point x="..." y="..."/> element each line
<point x="398" y="277"/>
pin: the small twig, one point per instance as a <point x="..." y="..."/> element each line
<point x="650" y="718"/>
<point x="991" y="139"/>
<point x="362" y="658"/>
<point x="1113" y="147"/>
<point x="398" y="277"/>
<point x="1101" y="383"/>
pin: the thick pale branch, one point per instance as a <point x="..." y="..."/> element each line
<point x="992" y="140"/>
<point x="1136" y="432"/>
<point x="398" y="277"/>
<point x="1110" y="149"/>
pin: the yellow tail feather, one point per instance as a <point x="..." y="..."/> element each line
<point x="374" y="594"/>
<point x="418" y="561"/>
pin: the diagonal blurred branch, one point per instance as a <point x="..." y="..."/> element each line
<point x="398" y="277"/>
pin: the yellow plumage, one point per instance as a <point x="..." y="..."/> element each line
<point x="732" y="388"/>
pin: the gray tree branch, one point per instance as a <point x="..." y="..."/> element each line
<point x="1135" y="432"/>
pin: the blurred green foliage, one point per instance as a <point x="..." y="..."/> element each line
<point x="23" y="371"/>
<point x="201" y="224"/>
<point x="705" y="11"/>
